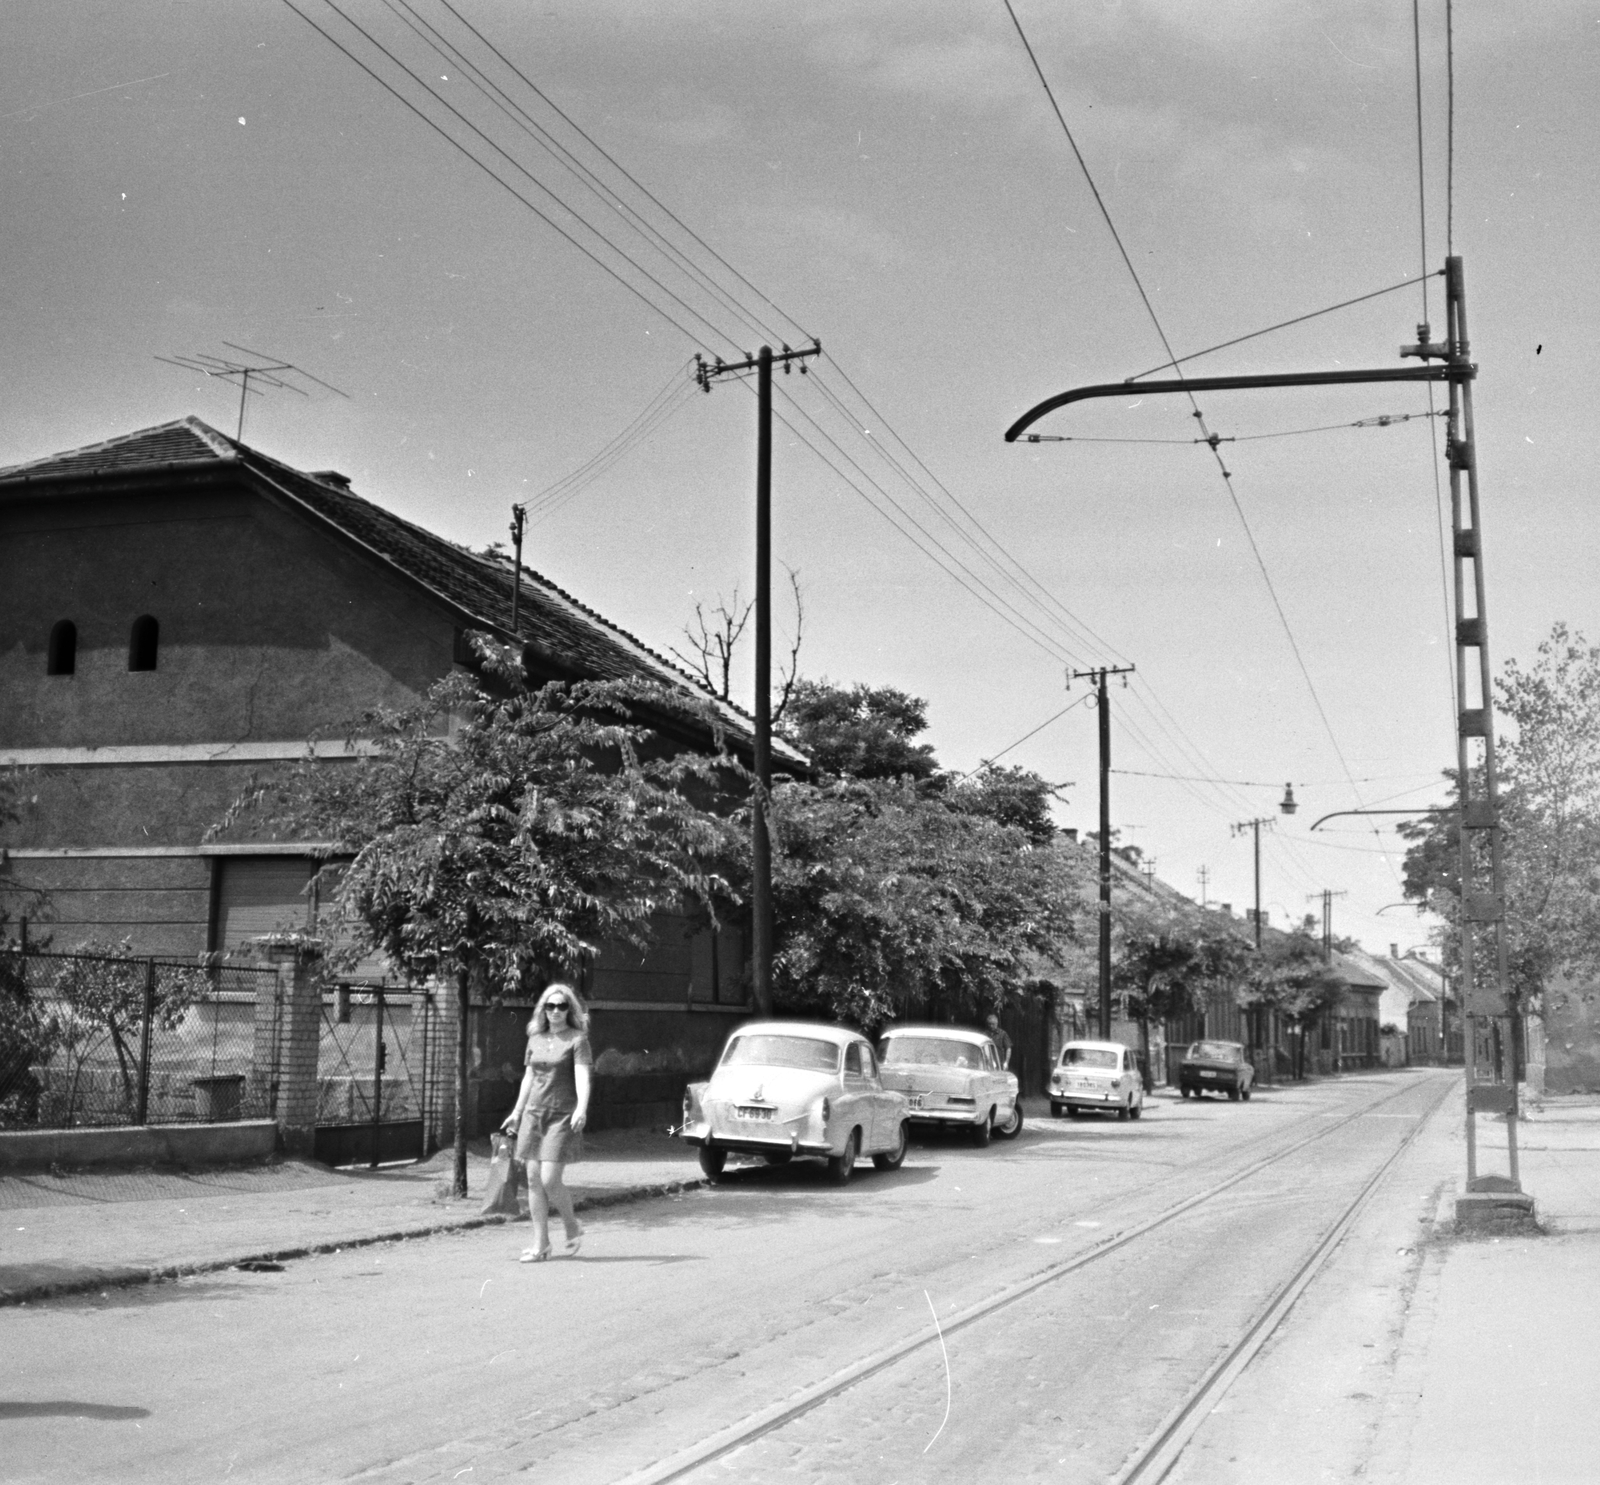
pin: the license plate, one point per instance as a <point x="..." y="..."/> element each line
<point x="1210" y="1075"/>
<point x="750" y="1111"/>
<point x="915" y="1100"/>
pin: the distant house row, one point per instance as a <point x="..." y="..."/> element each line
<point x="261" y="606"/>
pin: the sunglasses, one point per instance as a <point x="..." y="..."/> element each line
<point x="558" y="1005"/>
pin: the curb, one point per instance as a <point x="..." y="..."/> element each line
<point x="128" y="1278"/>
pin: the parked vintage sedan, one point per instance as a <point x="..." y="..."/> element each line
<point x="787" y="1088"/>
<point x="1215" y="1067"/>
<point x="952" y="1076"/>
<point x="1097" y="1075"/>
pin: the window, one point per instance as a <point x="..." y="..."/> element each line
<point x="852" y="1060"/>
<point x="62" y="656"/>
<point x="142" y="643"/>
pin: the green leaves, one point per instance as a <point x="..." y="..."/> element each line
<point x="1550" y="816"/>
<point x="891" y="903"/>
<point x="499" y="829"/>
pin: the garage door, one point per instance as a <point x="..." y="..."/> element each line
<point x="261" y="894"/>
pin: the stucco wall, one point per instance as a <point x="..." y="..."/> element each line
<point x="1572" y="1035"/>
<point x="269" y="628"/>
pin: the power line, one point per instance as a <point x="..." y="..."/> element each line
<point x="1026" y="735"/>
<point x="1166" y="345"/>
<point x="1285" y="324"/>
<point x="564" y="157"/>
<point x="803" y="333"/>
<point x="516" y="165"/>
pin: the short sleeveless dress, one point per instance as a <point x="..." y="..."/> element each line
<point x="546" y="1131"/>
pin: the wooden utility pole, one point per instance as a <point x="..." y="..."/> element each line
<point x="1103" y="704"/>
<point x="760" y="838"/>
<point x="519" y="517"/>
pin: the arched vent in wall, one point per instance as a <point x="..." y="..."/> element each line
<point x="142" y="643"/>
<point x="62" y="656"/>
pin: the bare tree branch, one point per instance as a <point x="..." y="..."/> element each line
<point x="714" y="644"/>
<point x="788" y="674"/>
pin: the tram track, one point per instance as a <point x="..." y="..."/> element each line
<point x="1155" y="1456"/>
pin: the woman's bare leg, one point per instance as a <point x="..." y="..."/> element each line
<point x="539" y="1205"/>
<point x="550" y="1172"/>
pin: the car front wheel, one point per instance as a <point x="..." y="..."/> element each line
<point x="1013" y="1126"/>
<point x="1135" y="1110"/>
<point x="1244" y="1093"/>
<point x="1125" y="1110"/>
<point x="840" y="1166"/>
<point x="1233" y="1093"/>
<point x="893" y="1159"/>
<point x="712" y="1161"/>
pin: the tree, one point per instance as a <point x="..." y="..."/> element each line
<point x="861" y="732"/>
<point x="28" y="1036"/>
<point x="1008" y="796"/>
<point x="492" y="831"/>
<point x="889" y="902"/>
<point x="1290" y="976"/>
<point x="1166" y="963"/>
<point x="1550" y="819"/>
<point x="715" y="643"/>
<point x="100" y="991"/>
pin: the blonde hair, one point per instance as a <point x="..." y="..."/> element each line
<point x="577" y="1017"/>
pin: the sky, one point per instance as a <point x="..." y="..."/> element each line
<point x="889" y="179"/>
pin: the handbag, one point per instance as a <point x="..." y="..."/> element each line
<point x="500" y="1189"/>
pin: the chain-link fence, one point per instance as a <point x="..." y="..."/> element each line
<point x="91" y="1040"/>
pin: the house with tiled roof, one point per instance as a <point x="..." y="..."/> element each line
<point x="178" y="609"/>
<point x="1417" y="1003"/>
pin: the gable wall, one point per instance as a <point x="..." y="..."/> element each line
<point x="269" y="628"/>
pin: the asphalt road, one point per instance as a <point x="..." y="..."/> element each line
<point x="445" y="1359"/>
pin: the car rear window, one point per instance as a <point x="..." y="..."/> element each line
<point x="1215" y="1051"/>
<point x="929" y="1051"/>
<point x="809" y="1053"/>
<point x="1089" y="1057"/>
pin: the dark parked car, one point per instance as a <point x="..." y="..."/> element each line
<point x="1215" y="1067"/>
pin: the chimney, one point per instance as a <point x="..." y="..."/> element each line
<point x="1226" y="907"/>
<point x="1071" y="833"/>
<point x="1394" y="951"/>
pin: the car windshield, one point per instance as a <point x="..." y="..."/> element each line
<point x="764" y="1049"/>
<point x="929" y="1051"/>
<point x="1215" y="1051"/>
<point x="1088" y="1057"/>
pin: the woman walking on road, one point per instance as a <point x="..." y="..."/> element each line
<point x="551" y="1109"/>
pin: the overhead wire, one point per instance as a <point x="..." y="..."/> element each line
<point x="1285" y="324"/>
<point x="802" y="334"/>
<point x="1161" y="334"/>
<point x="676" y="395"/>
<point x="587" y="178"/>
<point x="521" y="169"/>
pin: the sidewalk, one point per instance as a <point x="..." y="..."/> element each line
<point x="83" y="1230"/>
<point x="1502" y="1348"/>
<point x="1420" y="1356"/>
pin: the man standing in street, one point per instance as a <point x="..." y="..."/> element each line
<point x="1002" y="1042"/>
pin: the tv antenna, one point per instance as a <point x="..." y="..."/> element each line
<point x="263" y="370"/>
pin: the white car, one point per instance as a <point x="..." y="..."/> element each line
<point x="1097" y="1075"/>
<point x="952" y="1076"/>
<point x="787" y="1088"/>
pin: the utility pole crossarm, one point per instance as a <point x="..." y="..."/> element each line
<point x="1236" y="384"/>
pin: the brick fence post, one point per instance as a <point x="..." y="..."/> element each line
<point x="300" y="989"/>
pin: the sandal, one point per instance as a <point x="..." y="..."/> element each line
<point x="535" y="1255"/>
<point x="574" y="1242"/>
